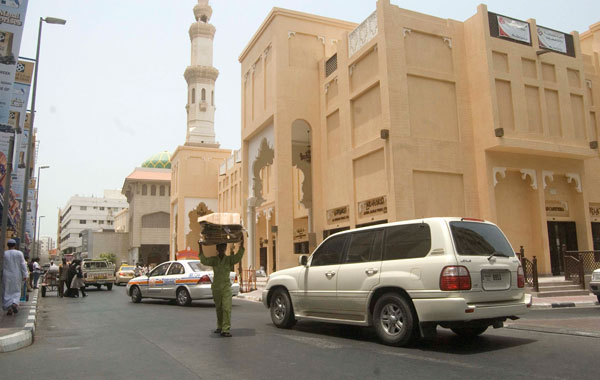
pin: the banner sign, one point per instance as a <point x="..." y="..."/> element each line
<point x="373" y="206"/>
<point x="514" y="29"/>
<point x="18" y="111"/>
<point x="12" y="21"/>
<point x="552" y="40"/>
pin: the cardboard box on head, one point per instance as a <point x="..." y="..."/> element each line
<point x="218" y="228"/>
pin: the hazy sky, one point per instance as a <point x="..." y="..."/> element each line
<point x="111" y="91"/>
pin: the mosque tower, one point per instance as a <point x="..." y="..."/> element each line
<point x="200" y="77"/>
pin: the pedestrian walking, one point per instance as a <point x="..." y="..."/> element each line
<point x="221" y="286"/>
<point x="63" y="275"/>
<point x="30" y="276"/>
<point x="37" y="271"/>
<point x="78" y="283"/>
<point x="14" y="274"/>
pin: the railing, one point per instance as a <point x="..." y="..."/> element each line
<point x="579" y="263"/>
<point x="248" y="280"/>
<point x="530" y="270"/>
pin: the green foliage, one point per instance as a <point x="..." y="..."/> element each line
<point x="109" y="257"/>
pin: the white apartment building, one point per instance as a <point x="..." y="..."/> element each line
<point x="84" y="213"/>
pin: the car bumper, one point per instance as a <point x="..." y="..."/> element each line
<point x="595" y="287"/>
<point x="265" y="301"/>
<point x="203" y="292"/>
<point x="457" y="309"/>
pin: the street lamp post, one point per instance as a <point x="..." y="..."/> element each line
<point x="49" y="20"/>
<point x="37" y="199"/>
<point x="37" y="243"/>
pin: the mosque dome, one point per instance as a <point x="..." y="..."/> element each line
<point x="160" y="160"/>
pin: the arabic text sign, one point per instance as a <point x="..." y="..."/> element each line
<point x="514" y="29"/>
<point x="550" y="39"/>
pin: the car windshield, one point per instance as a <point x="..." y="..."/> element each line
<point x="197" y="267"/>
<point x="479" y="239"/>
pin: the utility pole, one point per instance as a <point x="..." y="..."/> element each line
<point x="5" y="207"/>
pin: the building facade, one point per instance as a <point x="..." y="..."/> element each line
<point x="410" y="116"/>
<point x="146" y="221"/>
<point x="83" y="213"/>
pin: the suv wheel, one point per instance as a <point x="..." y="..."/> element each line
<point x="282" y="311"/>
<point x="183" y="297"/>
<point x="393" y="320"/>
<point x="136" y="295"/>
<point x="469" y="332"/>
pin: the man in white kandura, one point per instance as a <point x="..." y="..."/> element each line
<point x="14" y="274"/>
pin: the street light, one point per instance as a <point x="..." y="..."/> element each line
<point x="49" y="20"/>
<point x="39" y="224"/>
<point x="37" y="202"/>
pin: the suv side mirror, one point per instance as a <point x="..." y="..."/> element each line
<point x="303" y="260"/>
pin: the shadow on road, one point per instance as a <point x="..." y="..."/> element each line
<point x="445" y="342"/>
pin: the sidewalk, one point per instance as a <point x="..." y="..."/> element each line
<point x="17" y="331"/>
<point x="538" y="302"/>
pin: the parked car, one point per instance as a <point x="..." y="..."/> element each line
<point x="98" y="273"/>
<point x="124" y="274"/>
<point x="595" y="283"/>
<point x="182" y="281"/>
<point x="405" y="279"/>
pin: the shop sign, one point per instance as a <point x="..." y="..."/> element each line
<point x="514" y="29"/>
<point x="373" y="206"/>
<point x="552" y="40"/>
<point x="300" y="234"/>
<point x="557" y="208"/>
<point x="595" y="211"/>
<point x="337" y="215"/>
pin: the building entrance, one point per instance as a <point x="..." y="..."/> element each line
<point x="559" y="234"/>
<point x="263" y="258"/>
<point x="596" y="236"/>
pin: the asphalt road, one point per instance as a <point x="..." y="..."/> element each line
<point x="105" y="336"/>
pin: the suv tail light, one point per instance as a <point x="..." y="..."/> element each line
<point x="520" y="277"/>
<point x="204" y="280"/>
<point x="455" y="278"/>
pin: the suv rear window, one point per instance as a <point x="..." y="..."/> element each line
<point x="479" y="239"/>
<point x="407" y="241"/>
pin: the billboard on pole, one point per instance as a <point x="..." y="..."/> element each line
<point x="12" y="21"/>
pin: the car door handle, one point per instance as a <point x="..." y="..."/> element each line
<point x="329" y="275"/>
<point x="371" y="271"/>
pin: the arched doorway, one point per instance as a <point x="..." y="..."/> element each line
<point x="302" y="164"/>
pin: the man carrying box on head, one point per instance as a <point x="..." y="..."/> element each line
<point x="221" y="286"/>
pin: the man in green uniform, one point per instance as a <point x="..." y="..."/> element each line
<point x="221" y="286"/>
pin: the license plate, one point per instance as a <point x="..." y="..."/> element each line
<point x="492" y="277"/>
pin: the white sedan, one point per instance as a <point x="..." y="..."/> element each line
<point x="182" y="281"/>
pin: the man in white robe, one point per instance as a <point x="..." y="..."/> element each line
<point x="14" y="274"/>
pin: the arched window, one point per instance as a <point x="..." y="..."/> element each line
<point x="212" y="98"/>
<point x="162" y="190"/>
<point x="153" y="190"/>
<point x="193" y="95"/>
<point x="203" y="95"/>
<point x="144" y="189"/>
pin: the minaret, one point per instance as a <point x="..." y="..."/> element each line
<point x="201" y="77"/>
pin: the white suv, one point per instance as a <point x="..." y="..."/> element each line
<point x="405" y="279"/>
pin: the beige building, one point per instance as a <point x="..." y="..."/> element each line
<point x="408" y="116"/>
<point x="148" y="191"/>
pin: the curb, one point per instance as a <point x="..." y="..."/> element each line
<point x="554" y="330"/>
<point x="249" y="298"/>
<point x="25" y="337"/>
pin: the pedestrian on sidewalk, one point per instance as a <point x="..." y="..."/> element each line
<point x="37" y="271"/>
<point x="78" y="283"/>
<point x="14" y="273"/>
<point x="30" y="275"/>
<point x="221" y="286"/>
<point x="63" y="275"/>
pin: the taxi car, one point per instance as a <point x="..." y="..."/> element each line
<point x="182" y="281"/>
<point x="124" y="274"/>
